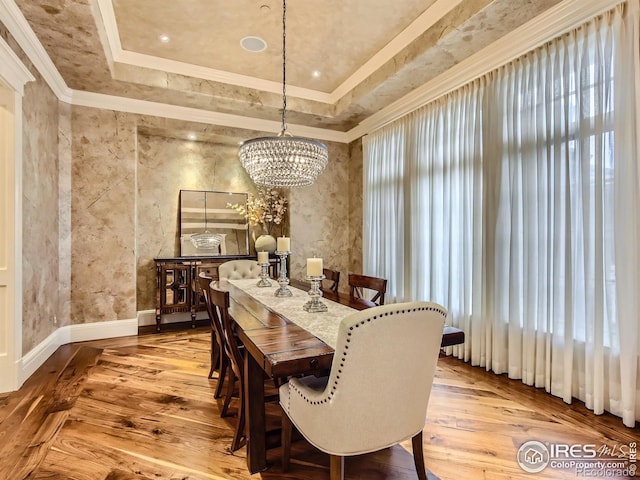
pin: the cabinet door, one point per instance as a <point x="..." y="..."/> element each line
<point x="176" y="289"/>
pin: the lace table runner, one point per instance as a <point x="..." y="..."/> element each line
<point x="323" y="325"/>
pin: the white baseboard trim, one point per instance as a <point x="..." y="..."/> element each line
<point x="69" y="334"/>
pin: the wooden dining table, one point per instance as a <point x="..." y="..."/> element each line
<point x="275" y="345"/>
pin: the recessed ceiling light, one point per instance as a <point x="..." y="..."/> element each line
<point x="315" y="73"/>
<point x="164" y="38"/>
<point x="191" y="136"/>
<point x="253" y="44"/>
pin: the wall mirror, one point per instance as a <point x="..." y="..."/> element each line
<point x="208" y="227"/>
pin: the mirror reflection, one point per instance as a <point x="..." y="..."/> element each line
<point x="208" y="227"/>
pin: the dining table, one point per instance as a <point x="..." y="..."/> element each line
<point x="282" y="340"/>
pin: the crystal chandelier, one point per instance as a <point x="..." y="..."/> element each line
<point x="284" y="160"/>
<point x="206" y="240"/>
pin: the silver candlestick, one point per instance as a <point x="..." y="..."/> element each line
<point x="264" y="276"/>
<point x="315" y="305"/>
<point x="283" y="281"/>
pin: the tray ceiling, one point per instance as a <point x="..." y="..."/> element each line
<point x="368" y="53"/>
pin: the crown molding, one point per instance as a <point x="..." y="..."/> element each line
<point x="554" y="22"/>
<point x="20" y="29"/>
<point x="176" y="112"/>
<point x="205" y="73"/>
<point x="12" y="70"/>
<point x="420" y="25"/>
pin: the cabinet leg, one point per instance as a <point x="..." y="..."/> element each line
<point x="158" y="317"/>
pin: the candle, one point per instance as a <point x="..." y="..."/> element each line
<point x="284" y="244"/>
<point x="263" y="257"/>
<point x="314" y="267"/>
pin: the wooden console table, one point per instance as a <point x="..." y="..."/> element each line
<point x="177" y="283"/>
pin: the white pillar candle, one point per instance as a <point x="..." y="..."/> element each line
<point x="263" y="257"/>
<point x="314" y="267"/>
<point x="284" y="244"/>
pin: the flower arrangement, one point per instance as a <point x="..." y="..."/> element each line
<point x="266" y="208"/>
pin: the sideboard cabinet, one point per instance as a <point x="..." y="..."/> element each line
<point x="177" y="283"/>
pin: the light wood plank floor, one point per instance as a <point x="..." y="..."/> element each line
<point x="142" y="408"/>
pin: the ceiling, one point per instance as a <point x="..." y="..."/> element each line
<point x="368" y="53"/>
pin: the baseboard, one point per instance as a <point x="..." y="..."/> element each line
<point x="83" y="332"/>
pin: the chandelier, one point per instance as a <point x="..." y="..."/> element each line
<point x="283" y="160"/>
<point x="206" y="240"/>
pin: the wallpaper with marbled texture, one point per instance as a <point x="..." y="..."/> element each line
<point x="40" y="244"/>
<point x="166" y="166"/>
<point x="355" y="206"/>
<point x="319" y="218"/>
<point x="103" y="216"/>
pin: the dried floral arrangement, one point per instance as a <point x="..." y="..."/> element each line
<point x="266" y="208"/>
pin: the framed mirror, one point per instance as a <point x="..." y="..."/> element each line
<point x="208" y="227"/>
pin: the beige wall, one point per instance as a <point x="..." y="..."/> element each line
<point x="42" y="291"/>
<point x="125" y="191"/>
<point x="319" y="218"/>
<point x="166" y="166"/>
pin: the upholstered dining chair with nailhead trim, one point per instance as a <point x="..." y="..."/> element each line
<point x="350" y="412"/>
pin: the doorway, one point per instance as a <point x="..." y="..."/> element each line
<point x="8" y="354"/>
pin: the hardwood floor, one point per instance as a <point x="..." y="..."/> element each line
<point x="142" y="408"/>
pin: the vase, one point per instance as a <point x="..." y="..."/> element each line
<point x="265" y="243"/>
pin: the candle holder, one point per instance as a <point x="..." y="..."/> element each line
<point x="315" y="305"/>
<point x="283" y="281"/>
<point x="264" y="276"/>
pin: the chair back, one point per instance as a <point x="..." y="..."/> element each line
<point x="216" y="325"/>
<point x="220" y="301"/>
<point x="239" y="269"/>
<point x="380" y="380"/>
<point x="359" y="284"/>
<point x="332" y="279"/>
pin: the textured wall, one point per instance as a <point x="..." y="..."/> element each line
<point x="119" y="201"/>
<point x="355" y="206"/>
<point x="319" y="218"/>
<point x="39" y="213"/>
<point x="166" y="166"/>
<point x="102" y="216"/>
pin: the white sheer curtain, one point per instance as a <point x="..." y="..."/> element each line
<point x="513" y="201"/>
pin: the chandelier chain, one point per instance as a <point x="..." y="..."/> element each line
<point x="284" y="65"/>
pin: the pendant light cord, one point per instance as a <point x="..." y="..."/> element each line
<point x="284" y="65"/>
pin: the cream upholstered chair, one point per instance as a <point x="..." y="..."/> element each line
<point x="352" y="411"/>
<point x="239" y="269"/>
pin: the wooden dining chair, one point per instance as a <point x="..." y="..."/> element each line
<point x="220" y="301"/>
<point x="351" y="412"/>
<point x="332" y="279"/>
<point x="359" y="284"/>
<point x="219" y="358"/>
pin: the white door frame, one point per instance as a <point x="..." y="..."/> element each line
<point x="13" y="76"/>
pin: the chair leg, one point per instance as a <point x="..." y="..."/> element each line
<point x="240" y="433"/>
<point x="227" y="399"/>
<point x="418" y="456"/>
<point x="224" y="361"/>
<point x="215" y="355"/>
<point x="336" y="468"/>
<point x="286" y="441"/>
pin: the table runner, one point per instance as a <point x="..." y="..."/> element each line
<point x="323" y="325"/>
